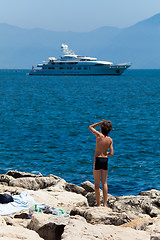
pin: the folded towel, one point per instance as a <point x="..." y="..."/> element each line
<point x="21" y="202"/>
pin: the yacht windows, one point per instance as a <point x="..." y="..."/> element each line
<point x="71" y="62"/>
<point x="79" y="68"/>
<point x="86" y="60"/>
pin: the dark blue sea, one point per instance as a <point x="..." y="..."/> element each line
<point x="44" y="126"/>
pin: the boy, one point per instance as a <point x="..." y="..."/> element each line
<point x="100" y="161"/>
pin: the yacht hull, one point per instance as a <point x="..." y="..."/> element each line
<point x="114" y="70"/>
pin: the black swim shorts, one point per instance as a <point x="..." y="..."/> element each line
<point x="100" y="163"/>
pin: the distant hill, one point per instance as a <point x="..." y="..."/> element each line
<point x="139" y="44"/>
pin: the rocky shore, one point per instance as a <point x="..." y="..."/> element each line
<point x="125" y="218"/>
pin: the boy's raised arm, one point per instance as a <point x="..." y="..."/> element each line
<point x="94" y="131"/>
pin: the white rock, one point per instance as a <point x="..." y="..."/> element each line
<point x="101" y="215"/>
<point x="64" y="200"/>
<point x="80" y="230"/>
<point x="59" y="187"/>
<point x="13" y="233"/>
<point x="155" y="227"/>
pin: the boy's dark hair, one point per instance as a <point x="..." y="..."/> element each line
<point x="106" y="127"/>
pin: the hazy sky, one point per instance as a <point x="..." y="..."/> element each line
<point x="76" y="15"/>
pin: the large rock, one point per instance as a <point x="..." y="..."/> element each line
<point x="144" y="204"/>
<point x="74" y="188"/>
<point x="18" y="174"/>
<point x="28" y="180"/>
<point x="101" y="215"/>
<point x="48" y="226"/>
<point x="58" y="187"/>
<point x="78" y="229"/>
<point x="12" y="233"/>
<point x="88" y="186"/>
<point x="91" y="197"/>
<point x="33" y="183"/>
<point x="64" y="200"/>
<point x="153" y="193"/>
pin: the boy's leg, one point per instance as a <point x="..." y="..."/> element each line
<point x="96" y="174"/>
<point x="104" y="186"/>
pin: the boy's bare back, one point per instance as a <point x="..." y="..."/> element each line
<point x="103" y="142"/>
<point x="102" y="145"/>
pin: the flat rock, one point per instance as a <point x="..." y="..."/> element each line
<point x="101" y="215"/>
<point x="81" y="230"/>
<point x="64" y="200"/>
<point x="140" y="223"/>
<point x="12" y="233"/>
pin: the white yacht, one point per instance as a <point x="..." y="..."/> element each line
<point x="72" y="64"/>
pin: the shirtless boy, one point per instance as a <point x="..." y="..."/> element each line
<point x="100" y="161"/>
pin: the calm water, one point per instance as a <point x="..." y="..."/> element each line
<point x="44" y="126"/>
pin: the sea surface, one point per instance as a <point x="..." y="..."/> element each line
<point x="44" y="126"/>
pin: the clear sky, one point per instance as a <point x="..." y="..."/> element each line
<point x="76" y="15"/>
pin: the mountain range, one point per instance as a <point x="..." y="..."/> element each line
<point x="139" y="44"/>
